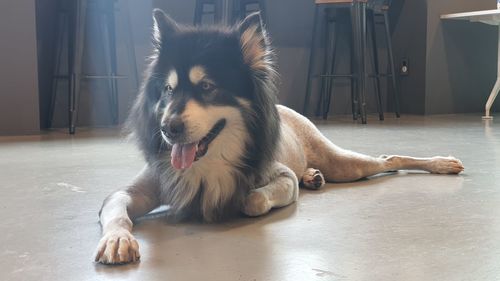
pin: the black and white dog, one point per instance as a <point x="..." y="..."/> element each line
<point x="215" y="141"/>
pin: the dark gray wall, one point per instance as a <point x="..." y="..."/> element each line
<point x="409" y="19"/>
<point x="452" y="64"/>
<point x="18" y="68"/>
<point x="93" y="102"/>
<point x="461" y="58"/>
<point x="290" y="32"/>
<point x="290" y="29"/>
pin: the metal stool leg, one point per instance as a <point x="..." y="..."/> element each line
<point x="131" y="47"/>
<point x="311" y="62"/>
<point x="324" y="78"/>
<point x="61" y="31"/>
<point x="242" y="11"/>
<point x="328" y="94"/>
<point x="391" y="62"/>
<point x="354" y="79"/>
<point x="362" y="21"/>
<point x="371" y="19"/>
<point x="198" y="11"/>
<point x="75" y="53"/>
<point x="360" y="47"/>
<point x="107" y="22"/>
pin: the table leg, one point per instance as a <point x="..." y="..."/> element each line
<point x="496" y="88"/>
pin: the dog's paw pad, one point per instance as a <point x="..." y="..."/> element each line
<point x="117" y="247"/>
<point x="313" y="179"/>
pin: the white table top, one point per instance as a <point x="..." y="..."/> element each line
<point x="487" y="16"/>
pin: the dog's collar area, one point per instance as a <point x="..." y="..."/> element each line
<point x="205" y="141"/>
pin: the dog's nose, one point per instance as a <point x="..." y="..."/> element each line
<point x="173" y="127"/>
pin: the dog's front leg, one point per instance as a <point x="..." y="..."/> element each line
<point x="282" y="189"/>
<point x="117" y="244"/>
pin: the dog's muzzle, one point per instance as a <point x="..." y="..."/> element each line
<point x="184" y="154"/>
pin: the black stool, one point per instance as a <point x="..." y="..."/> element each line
<point x="220" y="10"/>
<point x="246" y="7"/>
<point x="361" y="11"/>
<point x="72" y="17"/>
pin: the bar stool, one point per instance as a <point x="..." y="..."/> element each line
<point x="220" y="10"/>
<point x="72" y="20"/>
<point x="361" y="11"/>
<point x="246" y="7"/>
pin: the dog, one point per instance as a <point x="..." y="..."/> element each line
<point x="216" y="143"/>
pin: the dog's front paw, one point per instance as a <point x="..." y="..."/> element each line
<point x="446" y="165"/>
<point x="256" y="204"/>
<point x="117" y="247"/>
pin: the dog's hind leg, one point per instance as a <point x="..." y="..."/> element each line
<point x="339" y="165"/>
<point x="117" y="244"/>
<point x="281" y="189"/>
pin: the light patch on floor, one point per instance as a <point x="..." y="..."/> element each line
<point x="71" y="187"/>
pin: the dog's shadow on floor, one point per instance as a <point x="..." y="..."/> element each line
<point x="166" y="228"/>
<point x="157" y="233"/>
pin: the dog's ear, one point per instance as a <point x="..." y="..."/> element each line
<point x="163" y="26"/>
<point x="254" y="42"/>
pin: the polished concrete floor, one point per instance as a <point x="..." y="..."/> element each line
<point x="402" y="226"/>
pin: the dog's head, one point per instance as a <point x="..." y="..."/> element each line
<point x="202" y="82"/>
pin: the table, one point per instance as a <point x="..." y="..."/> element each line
<point x="491" y="17"/>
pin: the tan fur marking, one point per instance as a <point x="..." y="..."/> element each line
<point x="254" y="51"/>
<point x="245" y="103"/>
<point x="197" y="74"/>
<point x="172" y="78"/>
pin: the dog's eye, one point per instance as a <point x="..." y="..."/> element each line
<point x="168" y="90"/>
<point x="207" y="86"/>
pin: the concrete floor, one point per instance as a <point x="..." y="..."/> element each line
<point x="404" y="226"/>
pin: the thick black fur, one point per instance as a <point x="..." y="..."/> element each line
<point x="219" y="49"/>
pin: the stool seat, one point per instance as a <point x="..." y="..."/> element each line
<point x="227" y="11"/>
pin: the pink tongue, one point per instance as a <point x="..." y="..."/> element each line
<point x="182" y="156"/>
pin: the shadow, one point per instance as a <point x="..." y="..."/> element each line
<point x="116" y="270"/>
<point x="239" y="220"/>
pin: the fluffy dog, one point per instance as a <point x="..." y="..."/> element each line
<point x="216" y="143"/>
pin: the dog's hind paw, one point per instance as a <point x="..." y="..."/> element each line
<point x="445" y="165"/>
<point x="117" y="247"/>
<point x="313" y="179"/>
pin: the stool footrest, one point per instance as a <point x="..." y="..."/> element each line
<point x="352" y="75"/>
<point x="104" y="76"/>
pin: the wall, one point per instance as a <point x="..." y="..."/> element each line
<point x="409" y="21"/>
<point x="18" y="68"/>
<point x="93" y="103"/>
<point x="290" y="30"/>
<point x="461" y="58"/>
<point x="447" y="72"/>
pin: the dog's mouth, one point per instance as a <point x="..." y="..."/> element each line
<point x="184" y="154"/>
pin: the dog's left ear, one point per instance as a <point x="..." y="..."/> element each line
<point x="254" y="43"/>
<point x="163" y="26"/>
